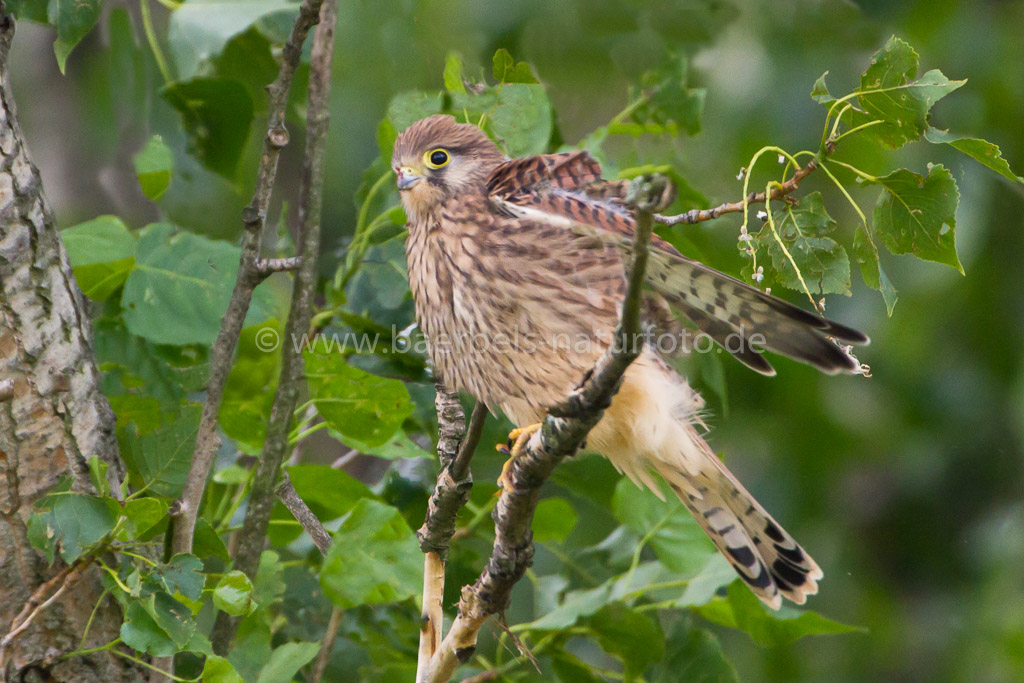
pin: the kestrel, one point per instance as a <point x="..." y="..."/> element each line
<point x="517" y="272"/>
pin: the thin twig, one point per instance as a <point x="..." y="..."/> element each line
<point x="327" y="645"/>
<point x="35" y="604"/>
<point x="701" y="215"/>
<point x="460" y="467"/>
<point x="310" y="522"/>
<point x="254" y="216"/>
<point x="252" y="536"/>
<point x="565" y="428"/>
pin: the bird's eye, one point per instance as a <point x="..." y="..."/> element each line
<point x="436" y="158"/>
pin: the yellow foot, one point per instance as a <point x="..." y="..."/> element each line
<point x="517" y="439"/>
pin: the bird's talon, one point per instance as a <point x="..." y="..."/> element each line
<point x="517" y="439"/>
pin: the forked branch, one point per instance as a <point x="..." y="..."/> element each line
<point x="565" y="428"/>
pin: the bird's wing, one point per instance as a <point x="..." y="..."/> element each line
<point x="740" y="318"/>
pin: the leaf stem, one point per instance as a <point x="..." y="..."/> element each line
<point x="782" y="245"/>
<point x="154" y="45"/>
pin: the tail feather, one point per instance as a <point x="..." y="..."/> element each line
<point x="767" y="558"/>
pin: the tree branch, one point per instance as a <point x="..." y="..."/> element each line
<point x="326" y="645"/>
<point x="249" y="276"/>
<point x="287" y="494"/>
<point x="455" y="447"/>
<point x="565" y="428"/>
<point x="268" y="266"/>
<point x="251" y="537"/>
<point x="701" y="215"/>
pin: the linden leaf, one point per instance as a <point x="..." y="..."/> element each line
<point x="917" y="214"/>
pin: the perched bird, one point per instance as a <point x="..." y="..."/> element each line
<point x="517" y="272"/>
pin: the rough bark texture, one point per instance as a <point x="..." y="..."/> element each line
<point x="54" y="420"/>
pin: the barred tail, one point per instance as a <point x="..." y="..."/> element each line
<point x="767" y="558"/>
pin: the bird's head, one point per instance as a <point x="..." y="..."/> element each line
<point x="437" y="158"/>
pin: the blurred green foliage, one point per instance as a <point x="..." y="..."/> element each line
<point x="906" y="486"/>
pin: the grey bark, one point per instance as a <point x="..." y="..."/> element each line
<point x="53" y="420"/>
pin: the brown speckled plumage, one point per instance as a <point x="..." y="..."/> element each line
<point x="517" y="272"/>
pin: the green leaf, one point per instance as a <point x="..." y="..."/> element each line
<point x="374" y="558"/>
<point x="667" y="105"/>
<point x="248" y="58"/>
<point x="102" y="254"/>
<point x="207" y="543"/>
<point x="576" y="605"/>
<point x="982" y="151"/>
<point x="742" y="610"/>
<point x="328" y="492"/>
<point x="42" y="535"/>
<point x="144" y="412"/>
<point x="355" y="403"/>
<point x="173" y="618"/>
<point x="453" y="73"/>
<point x="889" y="93"/>
<point x="820" y="93"/>
<point x="251" y="384"/>
<point x="141" y="515"/>
<point x="141" y="632"/>
<point x="159" y="460"/>
<point x="507" y="70"/>
<point x="217" y="114"/>
<point x="233" y="594"/>
<point x="917" y="215"/>
<point x="269" y="586"/>
<point x="518" y="116"/>
<point x="866" y="254"/>
<point x="153" y="167"/>
<point x="694" y="655"/>
<point x="72" y="19"/>
<point x="199" y="29"/>
<point x="674" y="536"/>
<point x="553" y="519"/>
<point x="183" y="574"/>
<point x="399" y="446"/>
<point x="822" y="261"/>
<point x="286" y="661"/>
<point x="407" y="108"/>
<point x="180" y="288"/>
<point x="582" y="603"/>
<point x="635" y="638"/>
<point x="28" y="10"/>
<point x="571" y="669"/>
<point x="74" y="521"/>
<point x="716" y="573"/>
<point x="219" y="670"/>
<point x="98" y="475"/>
<point x="251" y="648"/>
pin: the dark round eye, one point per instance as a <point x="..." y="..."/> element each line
<point x="438" y="158"/>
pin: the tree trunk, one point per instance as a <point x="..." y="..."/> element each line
<point x="52" y="419"/>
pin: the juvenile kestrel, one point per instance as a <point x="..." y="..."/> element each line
<point x="517" y="272"/>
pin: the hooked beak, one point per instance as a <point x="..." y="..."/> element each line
<point x="407" y="178"/>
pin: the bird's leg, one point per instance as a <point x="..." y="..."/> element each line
<point x="517" y="439"/>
